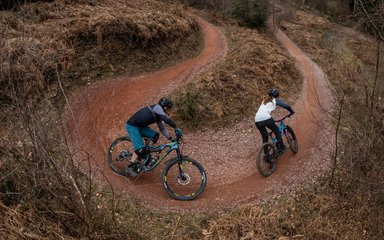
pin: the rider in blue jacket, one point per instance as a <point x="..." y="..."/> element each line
<point x="264" y="120"/>
<point x="138" y="126"/>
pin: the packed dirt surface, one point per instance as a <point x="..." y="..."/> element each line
<point x="96" y="115"/>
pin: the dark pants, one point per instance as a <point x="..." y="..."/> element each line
<point x="270" y="123"/>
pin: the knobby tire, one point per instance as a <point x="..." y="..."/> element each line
<point x="266" y="168"/>
<point x="293" y="144"/>
<point x="117" y="165"/>
<point x="184" y="189"/>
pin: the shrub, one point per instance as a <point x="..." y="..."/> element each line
<point x="188" y="106"/>
<point x="252" y="13"/>
<point x="9" y="4"/>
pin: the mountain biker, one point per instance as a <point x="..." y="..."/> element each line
<point x="263" y="118"/>
<point x="137" y="126"/>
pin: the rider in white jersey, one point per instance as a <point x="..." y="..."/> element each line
<point x="264" y="120"/>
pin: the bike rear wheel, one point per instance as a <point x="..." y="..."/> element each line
<point x="292" y="140"/>
<point x="266" y="159"/>
<point x="184" y="180"/>
<point x="119" y="155"/>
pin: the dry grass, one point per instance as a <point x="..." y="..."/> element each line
<point x="308" y="214"/>
<point x="46" y="40"/>
<point x="19" y="224"/>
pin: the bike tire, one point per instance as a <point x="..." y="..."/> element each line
<point x="292" y="140"/>
<point x="117" y="159"/>
<point x="264" y="167"/>
<point x="190" y="187"/>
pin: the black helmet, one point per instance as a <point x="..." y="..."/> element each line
<point x="273" y="93"/>
<point x="165" y="102"/>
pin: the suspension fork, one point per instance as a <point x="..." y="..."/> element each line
<point x="286" y="134"/>
<point x="180" y="160"/>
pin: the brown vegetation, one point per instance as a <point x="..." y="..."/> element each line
<point x="78" y="41"/>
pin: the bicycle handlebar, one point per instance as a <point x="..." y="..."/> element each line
<point x="286" y="116"/>
<point x="178" y="138"/>
<point x="179" y="134"/>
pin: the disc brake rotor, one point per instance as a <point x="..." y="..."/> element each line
<point x="124" y="155"/>
<point x="184" y="179"/>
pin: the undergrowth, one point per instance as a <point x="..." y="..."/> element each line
<point x="81" y="41"/>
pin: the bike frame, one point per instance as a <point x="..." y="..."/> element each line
<point x="282" y="129"/>
<point x="172" y="146"/>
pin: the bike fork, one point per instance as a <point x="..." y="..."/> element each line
<point x="181" y="167"/>
<point x="287" y="136"/>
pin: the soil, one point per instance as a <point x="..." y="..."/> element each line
<point x="96" y="115"/>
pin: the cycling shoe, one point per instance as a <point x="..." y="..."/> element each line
<point x="132" y="170"/>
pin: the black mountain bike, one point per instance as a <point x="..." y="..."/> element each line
<point x="266" y="160"/>
<point x="183" y="177"/>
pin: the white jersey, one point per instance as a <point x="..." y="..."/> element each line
<point x="264" y="111"/>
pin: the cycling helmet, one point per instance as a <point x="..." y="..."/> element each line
<point x="273" y="93"/>
<point x="165" y="103"/>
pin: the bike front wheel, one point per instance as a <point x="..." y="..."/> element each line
<point x="292" y="140"/>
<point x="119" y="155"/>
<point x="266" y="159"/>
<point x="184" y="180"/>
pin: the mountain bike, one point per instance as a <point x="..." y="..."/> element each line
<point x="183" y="177"/>
<point x="266" y="160"/>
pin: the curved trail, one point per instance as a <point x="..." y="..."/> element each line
<point x="98" y="113"/>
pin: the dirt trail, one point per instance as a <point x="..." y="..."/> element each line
<point x="98" y="113"/>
